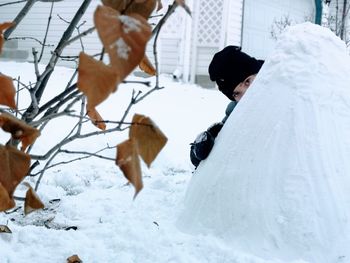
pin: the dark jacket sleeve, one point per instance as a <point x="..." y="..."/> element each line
<point x="202" y="146"/>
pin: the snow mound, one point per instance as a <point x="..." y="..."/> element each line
<point x="277" y="183"/>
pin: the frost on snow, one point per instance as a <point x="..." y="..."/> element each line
<point x="130" y="24"/>
<point x="277" y="182"/>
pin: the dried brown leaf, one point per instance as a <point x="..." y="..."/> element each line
<point x="129" y="162"/>
<point x="141" y="7"/>
<point x="147" y="67"/>
<point x="6" y="202"/>
<point x="124" y="38"/>
<point x="159" y="5"/>
<point x="19" y="130"/>
<point x="14" y="166"/>
<point x="96" y="119"/>
<point x="7" y="91"/>
<point x="96" y="80"/>
<point x="74" y="259"/>
<point x="3" y="27"/>
<point x="32" y="201"/>
<point x="150" y="139"/>
<point x="5" y="229"/>
<point x="183" y="4"/>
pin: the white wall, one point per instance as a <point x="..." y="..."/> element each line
<point x="259" y="15"/>
<point x="234" y="23"/>
<point x="34" y="25"/>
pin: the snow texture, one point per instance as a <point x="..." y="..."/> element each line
<point x="277" y="183"/>
<point x="274" y="190"/>
<point x="130" y="24"/>
<point x="123" y="49"/>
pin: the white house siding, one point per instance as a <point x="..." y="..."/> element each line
<point x="34" y="25"/>
<point x="170" y="42"/>
<point x="234" y="23"/>
<point x="35" y="22"/>
<point x="186" y="44"/>
<point x="259" y="16"/>
<point x="217" y="23"/>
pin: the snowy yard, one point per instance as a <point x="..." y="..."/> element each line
<point x="95" y="198"/>
<point x="274" y="189"/>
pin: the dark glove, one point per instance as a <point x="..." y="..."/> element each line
<point x="215" y="129"/>
<point x="203" y="144"/>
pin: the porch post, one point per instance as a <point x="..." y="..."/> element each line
<point x="318" y="16"/>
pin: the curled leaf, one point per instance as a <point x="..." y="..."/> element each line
<point x="159" y="5"/>
<point x="96" y="119"/>
<point x="5" y="229"/>
<point x="14" y="166"/>
<point x="6" y="202"/>
<point x="74" y="259"/>
<point x="3" y="27"/>
<point x="96" y="80"/>
<point x="19" y="130"/>
<point x="129" y="162"/>
<point x="150" y="139"/>
<point x="147" y="67"/>
<point x="124" y="38"/>
<point x="141" y="7"/>
<point x="7" y="91"/>
<point x="32" y="201"/>
<point x="183" y="4"/>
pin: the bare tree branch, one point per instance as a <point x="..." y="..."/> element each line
<point x="12" y="3"/>
<point x="41" y="84"/>
<point x="32" y="38"/>
<point x="46" y="32"/>
<point x="19" y="17"/>
<point x="36" y="67"/>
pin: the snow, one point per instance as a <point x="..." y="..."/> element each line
<point x="309" y="120"/>
<point x="123" y="49"/>
<point x="285" y="191"/>
<point x="130" y="24"/>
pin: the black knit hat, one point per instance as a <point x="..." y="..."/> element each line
<point x="231" y="66"/>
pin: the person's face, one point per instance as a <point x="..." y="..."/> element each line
<point x="242" y="87"/>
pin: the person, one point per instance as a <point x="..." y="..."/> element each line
<point x="233" y="71"/>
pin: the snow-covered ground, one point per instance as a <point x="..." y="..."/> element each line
<point x="94" y="195"/>
<point x="112" y="227"/>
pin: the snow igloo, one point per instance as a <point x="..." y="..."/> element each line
<point x="277" y="182"/>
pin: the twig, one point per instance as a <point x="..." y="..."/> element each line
<point x="78" y="29"/>
<point x="75" y="159"/>
<point x="45" y="76"/>
<point x="17" y="95"/>
<point x="73" y="39"/>
<point x="132" y="102"/>
<point x="147" y="93"/>
<point x="102" y="54"/>
<point x="88" y="154"/>
<point x="127" y="7"/>
<point x="19" y="18"/>
<point x="146" y="83"/>
<point x="36" y="67"/>
<point x="71" y="79"/>
<point x="32" y="38"/>
<point x="58" y="98"/>
<point x="12" y="3"/>
<point x="166" y="16"/>
<point x="81" y="116"/>
<point x="42" y="173"/>
<point x="49" y="117"/>
<point x="156" y="32"/>
<point x="69" y="139"/>
<point x="46" y="32"/>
